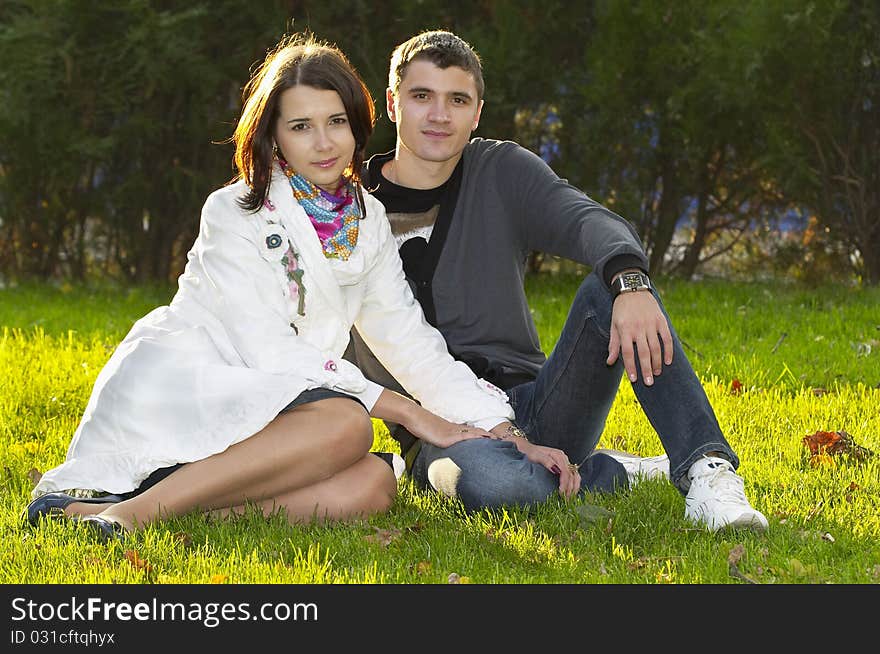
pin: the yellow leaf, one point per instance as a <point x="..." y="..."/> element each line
<point x="219" y="579"/>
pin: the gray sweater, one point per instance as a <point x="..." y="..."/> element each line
<point x="511" y="203"/>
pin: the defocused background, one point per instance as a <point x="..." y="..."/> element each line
<point x="741" y="138"/>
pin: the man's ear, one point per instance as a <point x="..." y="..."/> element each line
<point x="389" y="105"/>
<point x="477" y="117"/>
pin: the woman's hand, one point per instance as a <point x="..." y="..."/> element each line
<point x="421" y="423"/>
<point x="555" y="460"/>
<point x="440" y="432"/>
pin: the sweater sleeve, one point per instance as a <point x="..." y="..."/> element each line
<point x="559" y="219"/>
<point x="393" y="326"/>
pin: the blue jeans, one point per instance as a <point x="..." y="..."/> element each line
<point x="566" y="408"/>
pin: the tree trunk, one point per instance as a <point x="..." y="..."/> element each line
<point x="667" y="216"/>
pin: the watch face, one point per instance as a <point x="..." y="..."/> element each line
<point x="633" y="280"/>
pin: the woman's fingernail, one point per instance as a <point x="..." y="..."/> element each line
<point x="555" y="469"/>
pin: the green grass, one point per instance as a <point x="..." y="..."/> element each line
<point x="825" y="521"/>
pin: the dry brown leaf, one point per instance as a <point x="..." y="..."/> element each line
<point x="831" y="443"/>
<point x="453" y="578"/>
<point x="183" y="538"/>
<point x="635" y="565"/>
<point x="423" y="567"/>
<point x="34" y="476"/>
<point x="136" y="561"/>
<point x="383" y="537"/>
<point x="736" y="387"/>
<point x="736" y="553"/>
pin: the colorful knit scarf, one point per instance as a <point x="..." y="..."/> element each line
<point x="335" y="217"/>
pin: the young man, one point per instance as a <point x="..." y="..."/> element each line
<point x="466" y="213"/>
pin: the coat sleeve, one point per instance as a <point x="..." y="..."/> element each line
<point x="247" y="298"/>
<point x="393" y="326"/>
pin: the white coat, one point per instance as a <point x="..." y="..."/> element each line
<point x="240" y="340"/>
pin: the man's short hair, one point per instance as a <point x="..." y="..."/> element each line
<point x="441" y="48"/>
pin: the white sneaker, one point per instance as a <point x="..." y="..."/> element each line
<point x="716" y="498"/>
<point x="640" y="467"/>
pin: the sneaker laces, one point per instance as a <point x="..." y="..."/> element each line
<point x="726" y="484"/>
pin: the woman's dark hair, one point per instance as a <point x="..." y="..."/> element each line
<point x="297" y="60"/>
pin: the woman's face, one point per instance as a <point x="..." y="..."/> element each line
<point x="314" y="135"/>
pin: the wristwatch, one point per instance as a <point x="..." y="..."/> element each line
<point x="630" y="282"/>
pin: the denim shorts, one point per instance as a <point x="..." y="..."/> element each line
<point x="307" y="396"/>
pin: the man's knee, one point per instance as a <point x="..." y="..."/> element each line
<point x="488" y="474"/>
<point x="594" y="301"/>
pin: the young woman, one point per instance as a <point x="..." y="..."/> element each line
<point x="236" y="392"/>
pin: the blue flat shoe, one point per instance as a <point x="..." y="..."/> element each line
<point x="52" y="505"/>
<point x="106" y="530"/>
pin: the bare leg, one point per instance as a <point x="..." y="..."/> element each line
<point x="365" y="488"/>
<point x="298" y="449"/>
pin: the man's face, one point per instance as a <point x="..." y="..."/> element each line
<point x="435" y="111"/>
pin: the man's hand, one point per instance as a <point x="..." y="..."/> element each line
<point x="638" y="327"/>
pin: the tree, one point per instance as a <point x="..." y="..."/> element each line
<point x="819" y="71"/>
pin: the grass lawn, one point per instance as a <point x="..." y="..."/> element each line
<point x="807" y="360"/>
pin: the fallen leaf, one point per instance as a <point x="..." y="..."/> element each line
<point x="453" y="578"/>
<point x="384" y="537"/>
<point x="34" y="476"/>
<point x="136" y="561"/>
<point x="423" y="567"/>
<point x="637" y="564"/>
<point x="736" y="386"/>
<point x="832" y="443"/>
<point x="219" y="579"/>
<point x="736" y="553"/>
<point x="733" y="559"/>
<point x="183" y="538"/>
<point x="819" y="392"/>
